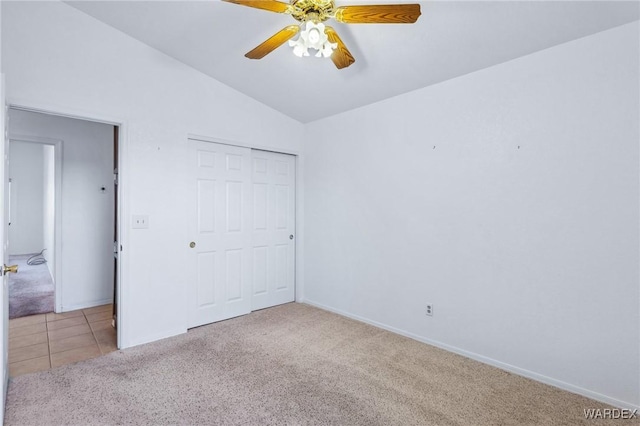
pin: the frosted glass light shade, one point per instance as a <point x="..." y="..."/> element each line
<point x="312" y="36"/>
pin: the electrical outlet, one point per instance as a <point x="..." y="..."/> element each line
<point x="429" y="310"/>
<point x="139" y="221"/>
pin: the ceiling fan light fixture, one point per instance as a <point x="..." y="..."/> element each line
<point x="312" y="36"/>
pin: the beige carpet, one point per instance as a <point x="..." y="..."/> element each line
<point x="30" y="291"/>
<point x="295" y="365"/>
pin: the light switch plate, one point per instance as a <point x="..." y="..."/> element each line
<point x="140" y="221"/>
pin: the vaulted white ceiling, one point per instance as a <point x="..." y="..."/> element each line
<point x="450" y="39"/>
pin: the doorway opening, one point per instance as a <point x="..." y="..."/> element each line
<point x="34" y="182"/>
<point x="63" y="192"/>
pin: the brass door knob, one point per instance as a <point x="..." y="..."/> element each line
<point x="13" y="269"/>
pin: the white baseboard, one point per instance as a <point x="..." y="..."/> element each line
<point x="87" y="305"/>
<point x="485" y="360"/>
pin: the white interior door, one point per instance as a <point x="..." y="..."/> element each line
<point x="4" y="250"/>
<point x="219" y="269"/>
<point x="273" y="228"/>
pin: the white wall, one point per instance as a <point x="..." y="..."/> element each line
<point x="86" y="277"/>
<point x="25" y="172"/>
<point x="56" y="57"/>
<point x="49" y="204"/>
<point x="520" y="226"/>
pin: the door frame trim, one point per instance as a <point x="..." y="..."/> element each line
<point x="123" y="195"/>
<point x="299" y="210"/>
<point x="57" y="212"/>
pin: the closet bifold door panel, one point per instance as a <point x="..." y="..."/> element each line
<point x="220" y="232"/>
<point x="273" y="229"/>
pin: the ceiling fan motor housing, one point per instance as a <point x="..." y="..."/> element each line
<point x="312" y="10"/>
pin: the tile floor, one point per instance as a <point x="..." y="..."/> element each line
<point x="44" y="341"/>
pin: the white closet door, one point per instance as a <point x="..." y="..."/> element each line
<point x="273" y="228"/>
<point x="219" y="270"/>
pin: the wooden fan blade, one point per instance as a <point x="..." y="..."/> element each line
<point x="341" y="56"/>
<point x="273" y="42"/>
<point x="270" y="5"/>
<point x="378" y="14"/>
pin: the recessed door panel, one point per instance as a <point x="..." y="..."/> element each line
<point x="206" y="159"/>
<point x="260" y="255"/>
<point x="259" y="165"/>
<point x="282" y="270"/>
<point x="282" y="168"/>
<point x="206" y="205"/>
<point x="234" y="162"/>
<point x="206" y="279"/>
<point x="234" y="275"/>
<point x="234" y="206"/>
<point x="260" y="206"/>
<point x="282" y="206"/>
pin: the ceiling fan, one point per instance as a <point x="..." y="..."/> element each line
<point x="315" y="35"/>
